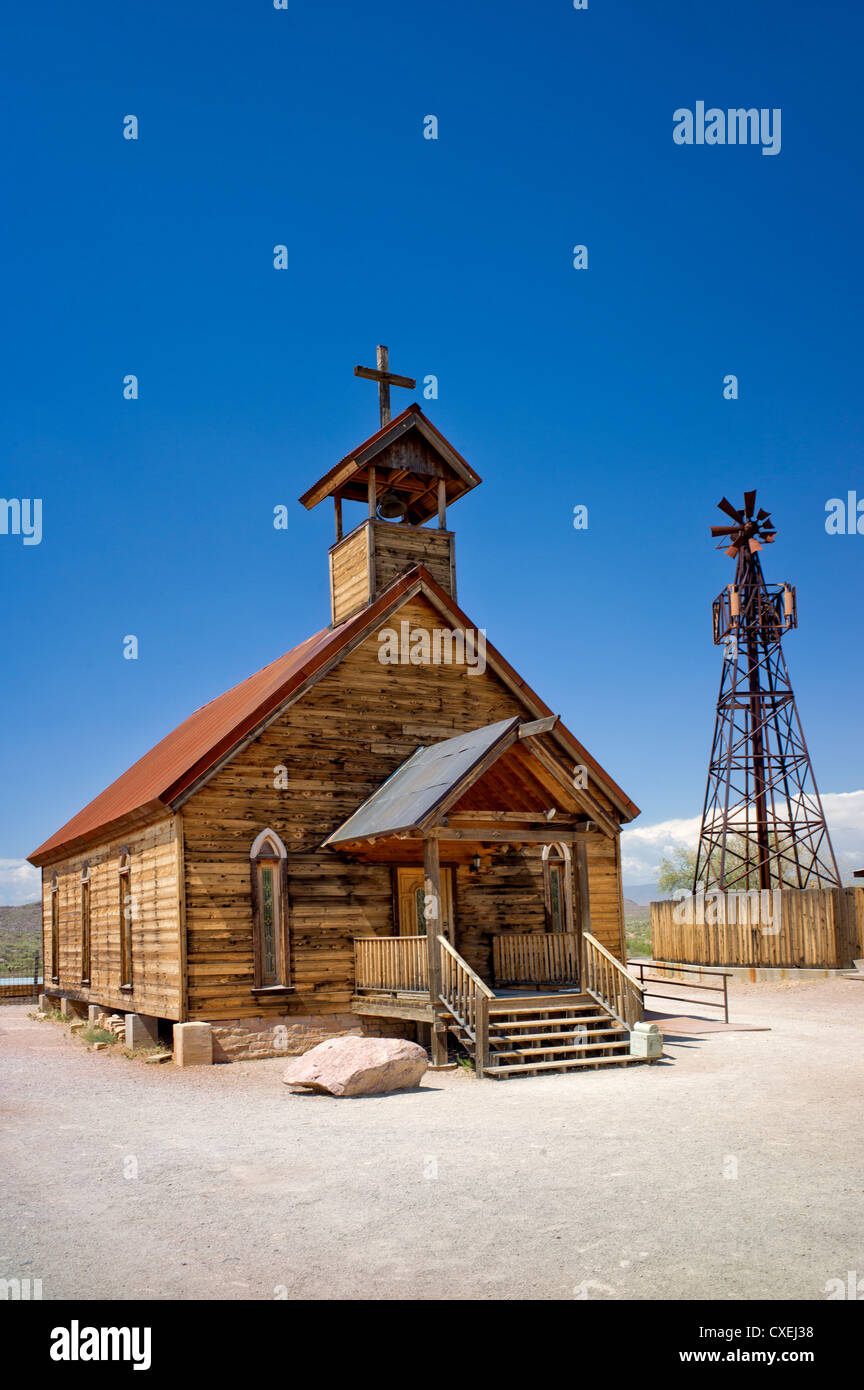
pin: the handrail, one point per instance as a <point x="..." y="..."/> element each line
<point x="724" y="975"/>
<point x="535" y="958"/>
<point x="609" y="982"/>
<point x="466" y="997"/>
<point x="391" y="963"/>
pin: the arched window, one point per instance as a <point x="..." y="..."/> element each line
<point x="55" y="929"/>
<point x="268" y="863"/>
<point x="558" y="888"/>
<point x="85" y="924"/>
<point x="125" y="921"/>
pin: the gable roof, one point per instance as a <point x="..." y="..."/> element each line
<point x="159" y="781"/>
<point x="432" y="454"/>
<point x="413" y="791"/>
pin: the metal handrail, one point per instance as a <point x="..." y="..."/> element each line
<point x="723" y="989"/>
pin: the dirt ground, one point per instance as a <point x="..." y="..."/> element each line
<point x="730" y="1169"/>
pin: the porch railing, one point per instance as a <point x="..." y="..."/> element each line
<point x="536" y="958"/>
<point x="467" y="998"/>
<point x="609" y="982"/>
<point x="391" y="963"/>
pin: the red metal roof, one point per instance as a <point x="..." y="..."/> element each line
<point x="160" y="777"/>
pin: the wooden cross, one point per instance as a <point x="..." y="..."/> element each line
<point x="385" y="379"/>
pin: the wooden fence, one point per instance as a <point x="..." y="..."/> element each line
<point x="391" y="963"/>
<point x="810" y="928"/>
<point x="536" y="958"/>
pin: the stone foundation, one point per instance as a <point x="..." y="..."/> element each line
<point x="290" y="1035"/>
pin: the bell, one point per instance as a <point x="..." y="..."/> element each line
<point x="392" y="507"/>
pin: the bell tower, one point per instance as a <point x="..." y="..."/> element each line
<point x="406" y="475"/>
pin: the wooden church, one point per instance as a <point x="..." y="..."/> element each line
<point x="383" y="831"/>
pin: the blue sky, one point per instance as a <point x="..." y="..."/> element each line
<point x="260" y="127"/>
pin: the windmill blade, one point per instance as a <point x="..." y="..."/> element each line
<point x="749" y="503"/>
<point x="762" y="515"/>
<point x="723" y="530"/>
<point x="732" y="551"/>
<point x="754" y="546"/>
<point x="726" y="506"/>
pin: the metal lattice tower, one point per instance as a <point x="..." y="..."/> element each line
<point x="763" y="825"/>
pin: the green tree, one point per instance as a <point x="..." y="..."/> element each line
<point x="676" y="870"/>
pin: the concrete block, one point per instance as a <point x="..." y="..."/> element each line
<point x="646" y="1040"/>
<point x="142" y="1030"/>
<point x="66" y="1009"/>
<point x="193" y="1044"/>
<point x="94" y="1013"/>
<point x="45" y="1003"/>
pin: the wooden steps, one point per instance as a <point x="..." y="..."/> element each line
<point x="537" y="1033"/>
<point x="523" y="1069"/>
<point x="570" y="1025"/>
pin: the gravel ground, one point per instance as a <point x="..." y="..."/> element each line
<point x="128" y="1181"/>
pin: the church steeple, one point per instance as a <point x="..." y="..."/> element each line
<point x="407" y="474"/>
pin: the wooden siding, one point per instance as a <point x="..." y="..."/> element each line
<point x="349" y="575"/>
<point x="154" y="884"/>
<point x="336" y="745"/>
<point x="374" y="554"/>
<point x="605" y="892"/>
<point x="398" y="548"/>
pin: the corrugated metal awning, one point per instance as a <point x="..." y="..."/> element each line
<point x="429" y="777"/>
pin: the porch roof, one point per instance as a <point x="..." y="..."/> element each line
<point x="438" y="777"/>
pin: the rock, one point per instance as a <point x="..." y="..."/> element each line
<point x="353" y="1066"/>
<point x="193" y="1044"/>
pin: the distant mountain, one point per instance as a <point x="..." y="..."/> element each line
<point x="642" y="892"/>
<point x="635" y="911"/>
<point x="20" y="936"/>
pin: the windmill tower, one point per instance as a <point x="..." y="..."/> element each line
<point x="762" y="823"/>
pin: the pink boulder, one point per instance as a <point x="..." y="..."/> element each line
<point x="353" y="1066"/>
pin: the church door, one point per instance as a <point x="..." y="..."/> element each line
<point x="412" y="921"/>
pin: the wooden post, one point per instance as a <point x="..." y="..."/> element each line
<point x="442" y="505"/>
<point x="432" y="892"/>
<point x="337" y="505"/>
<point x="36" y="975"/>
<point x="583" y="901"/>
<point x="481" y="1035"/>
<point x="373" y="495"/>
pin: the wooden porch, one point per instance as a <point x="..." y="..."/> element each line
<point x="545" y="1009"/>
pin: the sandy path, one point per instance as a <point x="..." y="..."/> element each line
<point x="127" y="1181"/>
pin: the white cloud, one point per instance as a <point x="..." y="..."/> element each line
<point x="19" y="882"/>
<point x="644" y="846"/>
